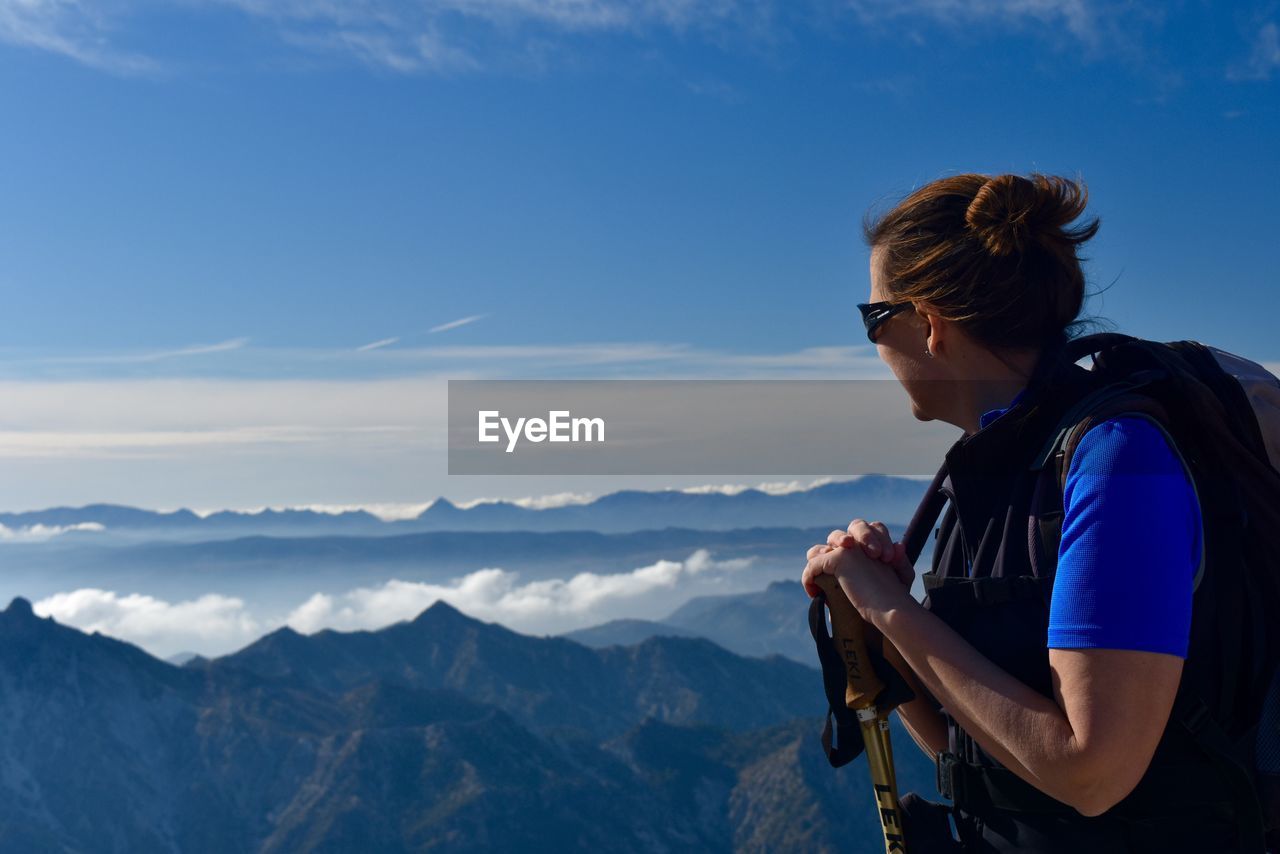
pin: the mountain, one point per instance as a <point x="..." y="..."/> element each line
<point x="773" y="621"/>
<point x="874" y="496"/>
<point x="543" y="682"/>
<point x="627" y="632"/>
<point x="441" y="734"/>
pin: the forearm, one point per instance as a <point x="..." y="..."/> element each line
<point x="925" y="726"/>
<point x="1024" y="730"/>
<point x="921" y="718"/>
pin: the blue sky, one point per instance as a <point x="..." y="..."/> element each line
<point x="207" y="208"/>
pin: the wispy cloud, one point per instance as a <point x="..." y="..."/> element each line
<point x="458" y="36"/>
<point x="1264" y="56"/>
<point x="77" y="30"/>
<point x="42" y="533"/>
<point x="454" y="324"/>
<point x="377" y="345"/>
<point x="207" y="419"/>
<point x="391" y="357"/>
<point x="1091" y="23"/>
<point x="152" y="356"/>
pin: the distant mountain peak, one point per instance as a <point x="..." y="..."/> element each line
<point x="440" y="505"/>
<point x="441" y="610"/>
<point x="19" y="607"/>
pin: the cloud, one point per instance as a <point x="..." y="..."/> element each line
<point x="208" y="623"/>
<point x="41" y="533"/>
<point x="454" y="324"/>
<point x="132" y="418"/>
<point x="214" y="624"/>
<point x="1091" y="23"/>
<point x="387" y="511"/>
<point x="460" y="36"/>
<point x="376" y="345"/>
<point x="432" y="36"/>
<point x="772" y="488"/>
<point x="76" y="30"/>
<point x="536" y="502"/>
<point x="1264" y="57"/>
<point x="551" y="605"/>
<point x="138" y="443"/>
<point x="154" y="356"/>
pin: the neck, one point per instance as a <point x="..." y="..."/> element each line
<point x="986" y="396"/>
<point x="991" y="382"/>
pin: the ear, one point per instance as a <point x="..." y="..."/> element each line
<point x="936" y="330"/>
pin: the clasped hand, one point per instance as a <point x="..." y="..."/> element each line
<point x="872" y="569"/>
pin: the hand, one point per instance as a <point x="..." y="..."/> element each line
<point x="876" y="543"/>
<point x="872" y="587"/>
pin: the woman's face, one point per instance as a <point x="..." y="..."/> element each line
<point x="900" y="343"/>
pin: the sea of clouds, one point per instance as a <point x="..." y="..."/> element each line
<point x="214" y="624"/>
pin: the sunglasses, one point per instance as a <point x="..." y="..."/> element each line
<point x="874" y="314"/>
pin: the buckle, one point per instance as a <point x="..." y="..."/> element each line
<point x="946" y="774"/>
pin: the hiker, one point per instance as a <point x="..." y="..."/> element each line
<point x="1047" y="688"/>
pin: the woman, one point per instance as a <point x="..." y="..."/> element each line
<point x="975" y="287"/>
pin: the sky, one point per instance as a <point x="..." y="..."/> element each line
<point x="244" y="243"/>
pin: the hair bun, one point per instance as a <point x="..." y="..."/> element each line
<point x="1010" y="213"/>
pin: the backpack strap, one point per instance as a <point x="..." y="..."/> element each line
<point x="1112" y="401"/>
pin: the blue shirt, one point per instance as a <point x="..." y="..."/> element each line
<point x="1130" y="543"/>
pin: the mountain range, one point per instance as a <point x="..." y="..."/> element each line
<point x="772" y="621"/>
<point x="438" y="734"/>
<point x="874" y="496"/>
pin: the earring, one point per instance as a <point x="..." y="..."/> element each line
<point x="927" y="351"/>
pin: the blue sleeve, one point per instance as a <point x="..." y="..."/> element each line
<point x="1130" y="544"/>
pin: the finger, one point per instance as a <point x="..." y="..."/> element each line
<point x="807" y="579"/>
<point x="814" y="551"/>
<point x="839" y="539"/>
<point x="885" y="539"/>
<point x="868" y="537"/>
<point x="821" y="564"/>
<point x="906" y="574"/>
<point x="902" y="566"/>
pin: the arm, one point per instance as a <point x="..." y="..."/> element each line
<point x="1087" y="747"/>
<point x="926" y="727"/>
<point x="921" y="718"/>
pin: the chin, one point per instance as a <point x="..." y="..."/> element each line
<point x="920" y="414"/>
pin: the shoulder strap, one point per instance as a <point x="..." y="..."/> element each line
<point x="1113" y="401"/>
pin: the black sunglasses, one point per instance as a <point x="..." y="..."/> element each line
<point x="874" y="314"/>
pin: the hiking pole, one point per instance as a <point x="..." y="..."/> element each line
<point x="862" y="688"/>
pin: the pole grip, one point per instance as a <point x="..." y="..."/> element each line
<point x="847" y="633"/>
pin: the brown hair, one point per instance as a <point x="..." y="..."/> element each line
<point x="993" y="254"/>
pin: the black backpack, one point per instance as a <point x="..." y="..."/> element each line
<point x="1221" y="413"/>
